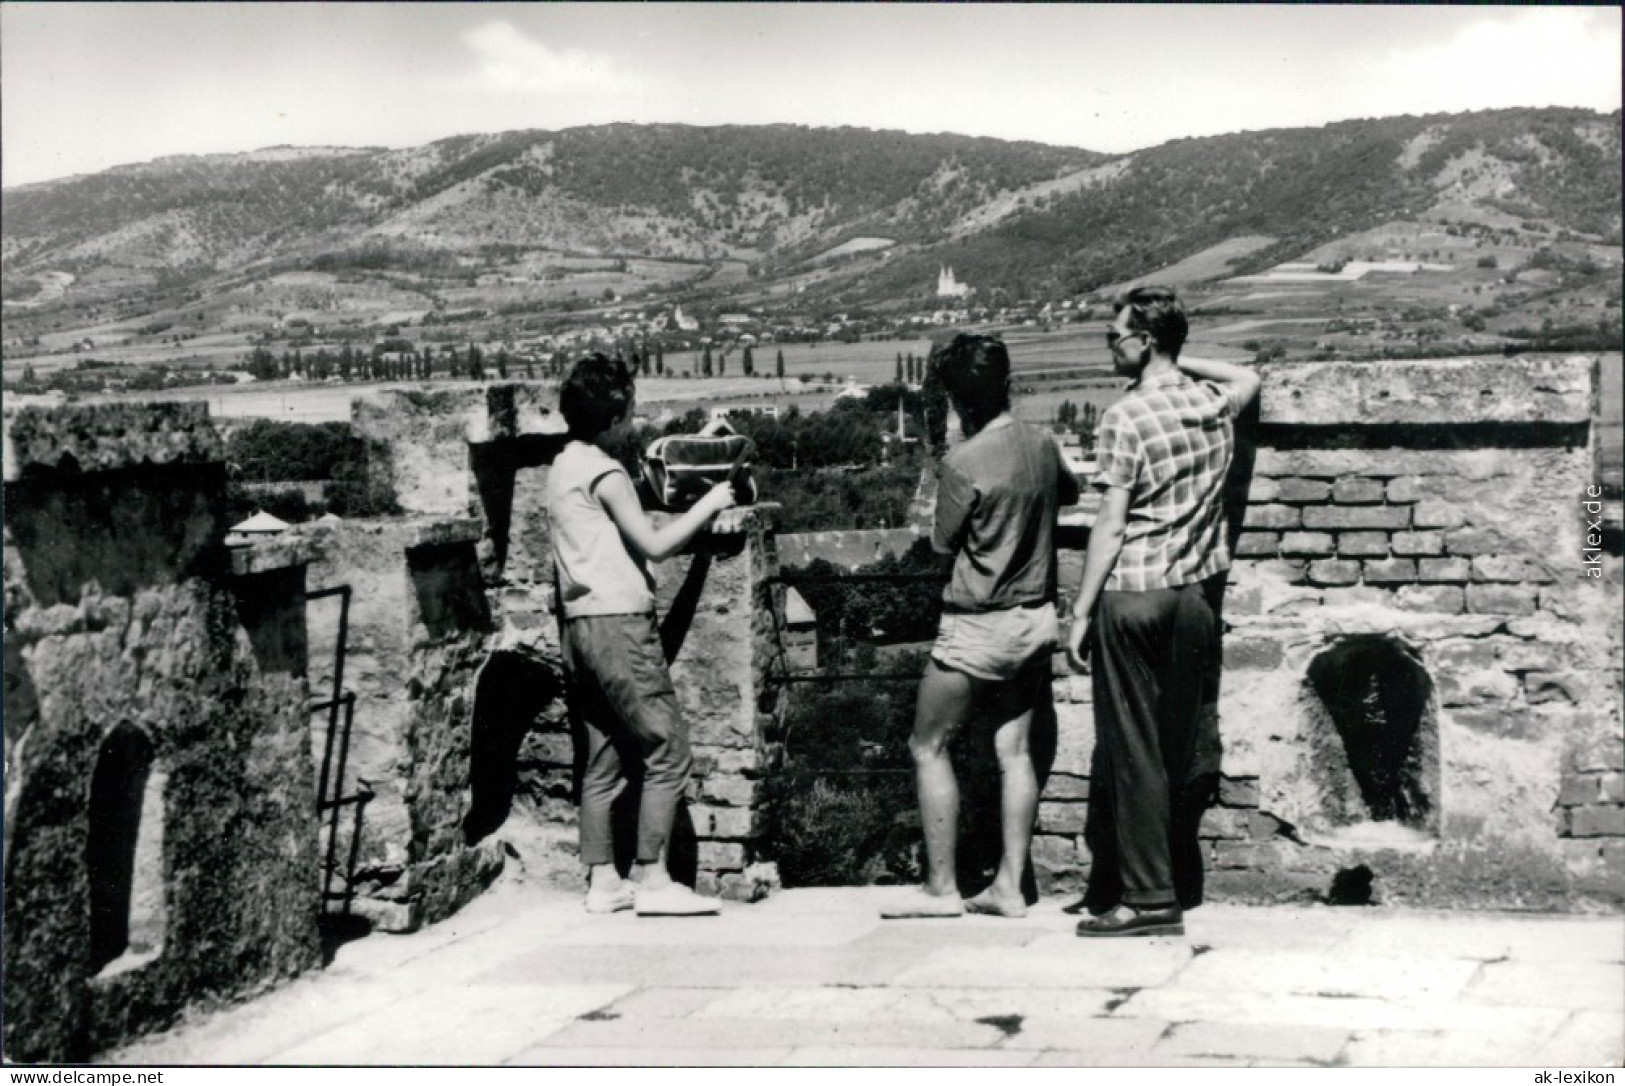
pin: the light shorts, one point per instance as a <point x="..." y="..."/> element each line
<point x="995" y="645"/>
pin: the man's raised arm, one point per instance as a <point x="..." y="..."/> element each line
<point x="1239" y="383"/>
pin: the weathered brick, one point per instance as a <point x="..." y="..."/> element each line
<point x="1061" y="817"/>
<point x="721" y="856"/>
<point x="1362" y="545"/>
<point x="1262" y="854"/>
<point x="1238" y="791"/>
<point x="1447" y="570"/>
<point x="1054" y="852"/>
<point x="1598" y="821"/>
<point x="1537" y="656"/>
<point x="1578" y="790"/>
<point x="1263" y="490"/>
<point x="553" y="748"/>
<point x="1475" y="687"/>
<point x="1464" y="654"/>
<point x="1234" y="823"/>
<point x="1612" y="787"/>
<point x="1508" y="568"/>
<point x="1346" y="517"/>
<point x="1355" y="491"/>
<point x="1307" y="544"/>
<point x="1416" y="544"/>
<point x="1444" y="599"/>
<point x="1258" y="545"/>
<point x="1302" y="490"/>
<point x="1473" y="541"/>
<point x="739" y="761"/>
<point x="1066" y="786"/>
<point x="1389" y="570"/>
<point x="730" y="790"/>
<point x="1544" y="686"/>
<point x="1334" y="571"/>
<point x="1500" y="723"/>
<point x="1595" y="745"/>
<point x="735" y="822"/>
<point x="1272" y="516"/>
<point x="1498" y="599"/>
<point x="1403" y="490"/>
<point x="1433" y="513"/>
<point x="1251" y="653"/>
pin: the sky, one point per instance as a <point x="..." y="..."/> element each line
<point x="87" y="86"/>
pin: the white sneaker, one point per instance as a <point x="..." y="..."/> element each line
<point x="610" y="901"/>
<point x="674" y="899"/>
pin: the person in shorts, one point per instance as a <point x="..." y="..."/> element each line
<point x="602" y="545"/>
<point x="997" y="498"/>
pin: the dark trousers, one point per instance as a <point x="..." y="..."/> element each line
<point x="1155" y="657"/>
<point x="622" y="692"/>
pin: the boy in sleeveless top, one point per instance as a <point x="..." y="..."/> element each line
<point x="602" y="545"/>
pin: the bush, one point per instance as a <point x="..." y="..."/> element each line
<point x="831" y="835"/>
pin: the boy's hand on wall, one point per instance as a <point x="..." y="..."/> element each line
<point x="720" y="497"/>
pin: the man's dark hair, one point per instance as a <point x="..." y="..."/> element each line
<point x="1156" y="311"/>
<point x="975" y="372"/>
<point x="596" y="395"/>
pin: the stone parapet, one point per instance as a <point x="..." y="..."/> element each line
<point x="104" y="437"/>
<point x="1431" y="392"/>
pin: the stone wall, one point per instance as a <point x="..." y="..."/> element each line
<point x="160" y="812"/>
<point x="463" y="729"/>
<point x="1422" y="664"/>
<point x="848" y="550"/>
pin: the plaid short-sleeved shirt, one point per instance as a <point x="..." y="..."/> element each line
<point x="1169" y="442"/>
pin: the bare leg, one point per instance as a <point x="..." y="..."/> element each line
<point x="1018" y="801"/>
<point x="943" y="704"/>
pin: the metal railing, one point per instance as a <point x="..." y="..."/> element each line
<point x="330" y="797"/>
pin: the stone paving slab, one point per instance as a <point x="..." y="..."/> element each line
<point x="1334" y="976"/>
<point x="1431" y="1048"/>
<point x="1578" y="985"/>
<point x="1533" y="1024"/>
<point x="908" y="1057"/>
<point x="1107" y="1036"/>
<point x="255" y="1032"/>
<point x="1305" y="1044"/>
<point x="815" y="978"/>
<point x="650" y="1057"/>
<point x="724" y="1033"/>
<point x="477" y="1026"/>
<point x="1535" y="939"/>
<point x="1053" y="962"/>
<point x="1588" y="1038"/>
<point x="712" y="967"/>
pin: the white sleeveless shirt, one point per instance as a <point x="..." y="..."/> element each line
<point x="598" y="575"/>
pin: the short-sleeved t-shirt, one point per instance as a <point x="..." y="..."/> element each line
<point x="598" y="575"/>
<point x="997" y="496"/>
<point x="1169" y="442"/>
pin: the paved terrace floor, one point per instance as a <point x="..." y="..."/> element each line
<point x="525" y="976"/>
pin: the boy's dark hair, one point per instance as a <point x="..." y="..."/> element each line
<point x="1158" y="312"/>
<point x="975" y="372"/>
<point x="596" y="395"/>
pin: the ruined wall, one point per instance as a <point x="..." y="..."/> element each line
<point x="160" y="813"/>
<point x="1422" y="664"/>
<point x="848" y="550"/>
<point x="463" y="732"/>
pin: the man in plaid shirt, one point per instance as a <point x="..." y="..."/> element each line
<point x="1156" y="554"/>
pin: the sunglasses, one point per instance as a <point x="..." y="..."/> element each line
<point x="1114" y="337"/>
